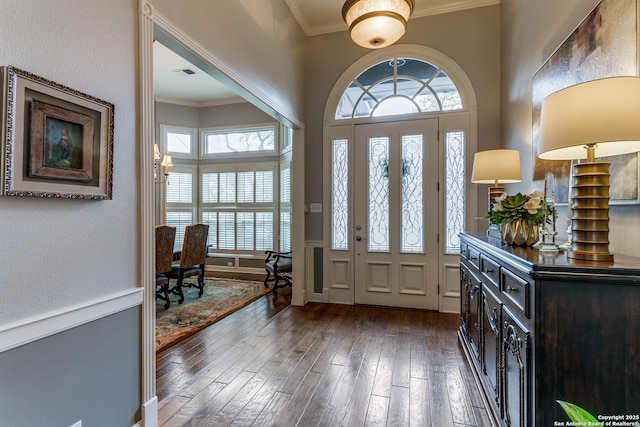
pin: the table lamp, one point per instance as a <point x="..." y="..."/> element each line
<point x="496" y="167"/>
<point x="600" y="115"/>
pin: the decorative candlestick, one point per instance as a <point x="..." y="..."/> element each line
<point x="549" y="232"/>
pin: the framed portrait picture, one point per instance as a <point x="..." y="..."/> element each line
<point x="605" y="44"/>
<point x="57" y="141"/>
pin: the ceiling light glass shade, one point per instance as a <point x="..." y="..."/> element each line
<point x="603" y="112"/>
<point x="496" y="167"/>
<point x="377" y="23"/>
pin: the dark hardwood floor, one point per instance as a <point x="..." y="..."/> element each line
<point x="273" y="364"/>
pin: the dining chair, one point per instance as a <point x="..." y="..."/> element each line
<point x="165" y="239"/>
<point x="192" y="259"/>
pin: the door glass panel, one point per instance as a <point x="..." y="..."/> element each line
<point x="412" y="220"/>
<point x="378" y="223"/>
<point x="339" y="194"/>
<point x="454" y="189"/>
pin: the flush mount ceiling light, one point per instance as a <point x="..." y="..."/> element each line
<point x="377" y="23"/>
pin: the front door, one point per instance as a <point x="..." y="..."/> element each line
<point x="396" y="208"/>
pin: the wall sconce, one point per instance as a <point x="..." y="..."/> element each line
<point x="496" y="167"/>
<point x="600" y="114"/>
<point x="166" y="163"/>
<point x="377" y="23"/>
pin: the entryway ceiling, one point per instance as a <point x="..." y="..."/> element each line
<point x="176" y="80"/>
<point x="325" y="16"/>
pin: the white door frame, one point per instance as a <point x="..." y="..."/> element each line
<point x="148" y="19"/>
<point x="338" y="265"/>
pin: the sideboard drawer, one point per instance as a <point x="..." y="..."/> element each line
<point x="516" y="291"/>
<point x="474" y="257"/>
<point x="464" y="250"/>
<point x="491" y="271"/>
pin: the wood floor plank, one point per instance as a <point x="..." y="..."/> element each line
<point x="357" y="407"/>
<point x="300" y="399"/>
<point x="377" y="411"/>
<point x="459" y="398"/>
<point x="336" y="408"/>
<point x="384" y="374"/>
<point x="270" y="364"/>
<point x="315" y="408"/>
<point x="440" y="407"/>
<point x="420" y="404"/>
<point x="402" y="363"/>
<point x="398" y="407"/>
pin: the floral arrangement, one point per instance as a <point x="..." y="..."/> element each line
<point x="519" y="207"/>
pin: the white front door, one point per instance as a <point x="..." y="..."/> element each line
<point x="396" y="208"/>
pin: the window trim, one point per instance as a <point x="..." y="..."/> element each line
<point x="203" y="132"/>
<point x="166" y="129"/>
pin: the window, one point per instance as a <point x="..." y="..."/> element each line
<point x="454" y="189"/>
<point x="285" y="206"/>
<point x="398" y="86"/>
<point x="244" y="198"/>
<point x="179" y="141"/>
<point x="180" y="201"/>
<point x="340" y="194"/>
<point x="261" y="139"/>
<point x="238" y="204"/>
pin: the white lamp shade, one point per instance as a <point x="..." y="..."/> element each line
<point x="377" y="23"/>
<point x="156" y="152"/>
<point x="167" y="161"/>
<point x="605" y="112"/>
<point x="501" y="166"/>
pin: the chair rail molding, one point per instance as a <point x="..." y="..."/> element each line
<point x="28" y="330"/>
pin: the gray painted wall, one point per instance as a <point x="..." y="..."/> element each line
<point x="260" y="40"/>
<point x="213" y="116"/>
<point x="471" y="38"/>
<point x="89" y="373"/>
<point x="531" y="32"/>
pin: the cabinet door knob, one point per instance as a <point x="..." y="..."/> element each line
<point x="488" y="270"/>
<point x="511" y="289"/>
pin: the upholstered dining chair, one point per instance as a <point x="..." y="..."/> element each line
<point x="192" y="258"/>
<point x="165" y="238"/>
<point x="278" y="267"/>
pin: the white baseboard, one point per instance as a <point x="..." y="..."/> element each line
<point x="24" y="331"/>
<point x="150" y="413"/>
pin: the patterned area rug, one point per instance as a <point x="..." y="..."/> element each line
<point x="221" y="297"/>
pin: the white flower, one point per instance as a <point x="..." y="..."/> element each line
<point x="533" y="205"/>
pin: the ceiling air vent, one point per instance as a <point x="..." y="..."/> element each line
<point x="184" y="71"/>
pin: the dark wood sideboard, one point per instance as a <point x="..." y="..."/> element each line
<point x="539" y="328"/>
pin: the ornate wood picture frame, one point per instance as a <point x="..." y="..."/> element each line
<point x="56" y="141"/>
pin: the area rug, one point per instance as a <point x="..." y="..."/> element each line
<point x="221" y="297"/>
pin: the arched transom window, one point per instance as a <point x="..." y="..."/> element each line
<point x="399" y="86"/>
